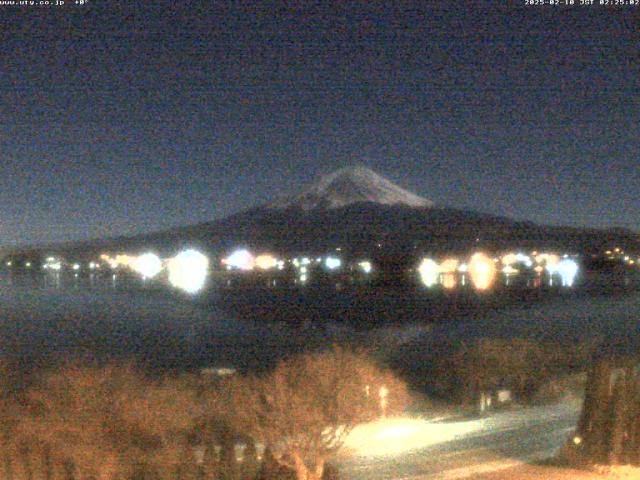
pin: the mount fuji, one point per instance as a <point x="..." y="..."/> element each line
<point x="349" y="186"/>
<point x="363" y="213"/>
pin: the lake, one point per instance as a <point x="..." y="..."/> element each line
<point x="43" y="320"/>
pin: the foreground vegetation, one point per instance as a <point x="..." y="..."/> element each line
<point x="533" y="371"/>
<point x="114" y="422"/>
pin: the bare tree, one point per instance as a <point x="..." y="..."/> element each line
<point x="104" y="423"/>
<point x="304" y="409"/>
<point x="156" y="421"/>
<point x="70" y="417"/>
<point x="110" y="422"/>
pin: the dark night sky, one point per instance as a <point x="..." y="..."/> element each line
<point x="119" y="120"/>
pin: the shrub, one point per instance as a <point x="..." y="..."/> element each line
<point x="304" y="409"/>
<point x="522" y="365"/>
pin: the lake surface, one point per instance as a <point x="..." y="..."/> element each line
<point x="44" y="320"/>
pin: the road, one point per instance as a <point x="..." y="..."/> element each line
<point x="413" y="449"/>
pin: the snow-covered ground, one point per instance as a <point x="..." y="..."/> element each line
<point x="416" y="449"/>
<point x="389" y="437"/>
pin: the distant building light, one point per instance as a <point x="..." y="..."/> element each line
<point x="448" y="280"/>
<point x="509" y="270"/>
<point x="429" y="272"/>
<point x="513" y="258"/>
<point x="188" y="271"/>
<point x="549" y="259"/>
<point x="148" y="265"/>
<point x="56" y="266"/>
<point x="482" y="271"/>
<point x="76" y="266"/>
<point x="365" y="266"/>
<point x="450" y="265"/>
<point x="509" y="259"/>
<point x="266" y="262"/>
<point x="568" y="269"/>
<point x="241" y="259"/>
<point x="526" y="259"/>
<point x="332" y="263"/>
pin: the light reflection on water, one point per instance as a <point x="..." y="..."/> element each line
<point x="60" y="315"/>
<point x="43" y="316"/>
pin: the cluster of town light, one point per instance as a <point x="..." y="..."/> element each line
<point x="620" y="255"/>
<point x="187" y="271"/>
<point x="483" y="270"/>
<point x="52" y="263"/>
<point x="480" y="269"/>
<point x="244" y="261"/>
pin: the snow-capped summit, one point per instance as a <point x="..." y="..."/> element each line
<point x="348" y="186"/>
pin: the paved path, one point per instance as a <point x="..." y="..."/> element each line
<point x="417" y="449"/>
